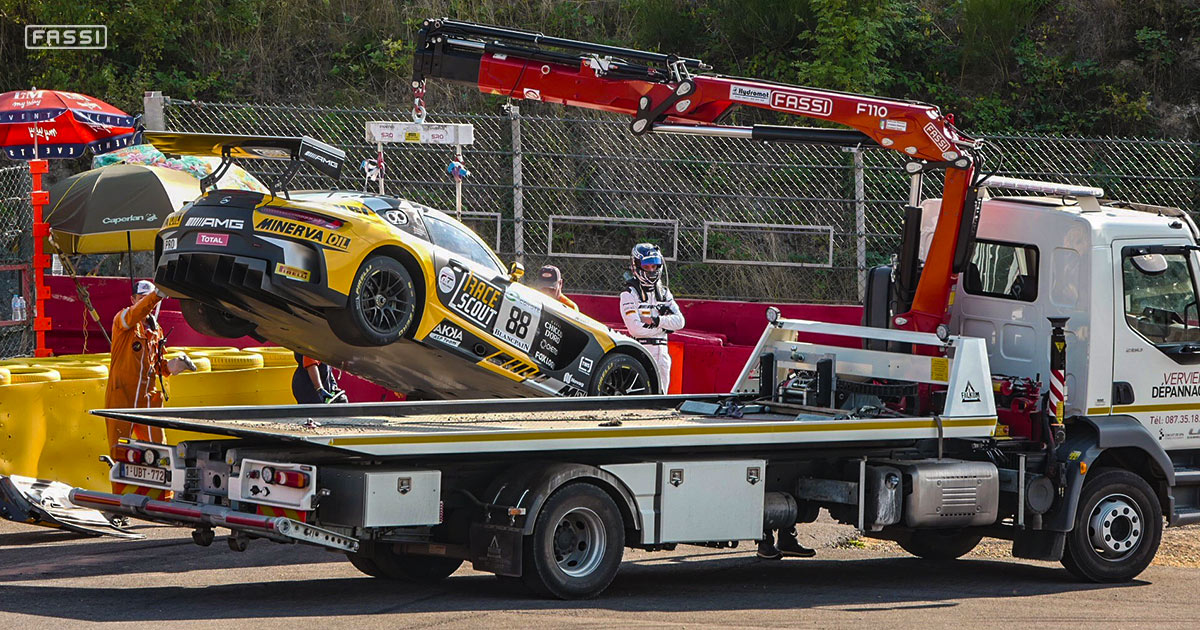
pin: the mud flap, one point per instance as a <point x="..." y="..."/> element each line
<point x="496" y="549"/>
<point x="45" y="504"/>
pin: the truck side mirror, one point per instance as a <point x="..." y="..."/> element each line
<point x="516" y="271"/>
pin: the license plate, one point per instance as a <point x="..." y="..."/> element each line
<point x="170" y="244"/>
<point x="144" y="473"/>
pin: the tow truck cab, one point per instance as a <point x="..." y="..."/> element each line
<point x="1125" y="276"/>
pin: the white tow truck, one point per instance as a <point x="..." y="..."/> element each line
<point x="929" y="427"/>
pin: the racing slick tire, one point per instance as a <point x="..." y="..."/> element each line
<point x="620" y="375"/>
<point x="940" y="545"/>
<point x="575" y="549"/>
<point x="381" y="306"/>
<point x="214" y="322"/>
<point x="1118" y="527"/>
<point x="381" y="562"/>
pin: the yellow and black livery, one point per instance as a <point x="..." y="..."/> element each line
<point x="386" y="288"/>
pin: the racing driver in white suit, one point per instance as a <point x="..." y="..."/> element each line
<point x="648" y="308"/>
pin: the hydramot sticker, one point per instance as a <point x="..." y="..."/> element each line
<point x="446" y="280"/>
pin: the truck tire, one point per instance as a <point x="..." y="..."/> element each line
<point x="214" y="322"/>
<point x="1118" y="526"/>
<point x="381" y="306"/>
<point x="576" y="546"/>
<point x="381" y="562"/>
<point x="941" y="545"/>
<point x="620" y="375"/>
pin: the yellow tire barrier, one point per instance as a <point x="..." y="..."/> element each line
<point x="202" y="363"/>
<point x="235" y="360"/>
<point x="69" y="370"/>
<point x="193" y="351"/>
<point x="28" y="374"/>
<point x="5" y="376"/>
<point x="274" y="356"/>
<point x="16" y="362"/>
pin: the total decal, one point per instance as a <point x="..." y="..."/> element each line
<point x="313" y="233"/>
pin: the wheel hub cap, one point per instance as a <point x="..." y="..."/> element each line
<point x="579" y="542"/>
<point x="1115" y="527"/>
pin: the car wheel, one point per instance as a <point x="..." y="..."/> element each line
<point x="1118" y="526"/>
<point x="214" y="322"/>
<point x="576" y="546"/>
<point x="381" y="306"/>
<point x="940" y="545"/>
<point x="620" y="375"/>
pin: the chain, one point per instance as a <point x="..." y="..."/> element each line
<point x="418" y="111"/>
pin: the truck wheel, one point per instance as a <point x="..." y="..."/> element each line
<point x="381" y="562"/>
<point x="576" y="545"/>
<point x="381" y="305"/>
<point x="620" y="375"/>
<point x="214" y="322"/>
<point x="1118" y="526"/>
<point x="941" y="545"/>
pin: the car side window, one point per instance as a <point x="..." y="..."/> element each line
<point x="1002" y="270"/>
<point x="459" y="241"/>
<point x="1160" y="298"/>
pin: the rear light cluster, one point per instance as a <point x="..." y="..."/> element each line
<point x="139" y="456"/>
<point x="303" y="217"/>
<point x="289" y="478"/>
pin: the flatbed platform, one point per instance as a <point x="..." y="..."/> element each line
<point x="467" y="427"/>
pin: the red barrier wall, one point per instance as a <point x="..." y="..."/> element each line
<point x="708" y="355"/>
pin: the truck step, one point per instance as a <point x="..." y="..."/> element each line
<point x="1187" y="476"/>
<point x="1186" y="516"/>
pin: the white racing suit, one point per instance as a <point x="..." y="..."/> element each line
<point x="649" y="314"/>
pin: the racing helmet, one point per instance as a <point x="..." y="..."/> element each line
<point x="646" y="264"/>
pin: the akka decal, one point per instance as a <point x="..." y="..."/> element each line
<point x="448" y="334"/>
<point x="312" y="233"/>
<point x="213" y="222"/>
<point x="970" y="395"/>
<point x="294" y="273"/>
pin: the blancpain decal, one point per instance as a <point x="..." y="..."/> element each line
<point x="447" y="279"/>
<point x="447" y="334"/>
<point x="747" y="94"/>
<point x="213" y="222"/>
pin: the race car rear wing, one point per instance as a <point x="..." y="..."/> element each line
<point x="326" y="159"/>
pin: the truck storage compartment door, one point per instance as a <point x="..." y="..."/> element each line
<point x="703" y="501"/>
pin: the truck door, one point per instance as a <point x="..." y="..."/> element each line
<point x="1156" y="339"/>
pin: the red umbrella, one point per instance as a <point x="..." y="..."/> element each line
<point x="50" y="124"/>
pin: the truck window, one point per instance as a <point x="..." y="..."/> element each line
<point x="1160" y="298"/>
<point x="1003" y="270"/>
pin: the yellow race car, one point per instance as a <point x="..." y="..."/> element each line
<point x="385" y="288"/>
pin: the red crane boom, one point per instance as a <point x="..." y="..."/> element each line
<point x="666" y="94"/>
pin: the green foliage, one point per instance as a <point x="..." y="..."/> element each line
<point x="1053" y="66"/>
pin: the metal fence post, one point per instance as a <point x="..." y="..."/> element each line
<point x="514" y="113"/>
<point x="860" y="222"/>
<point x="153" y="108"/>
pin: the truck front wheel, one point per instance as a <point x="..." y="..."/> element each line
<point x="576" y="545"/>
<point x="940" y="544"/>
<point x="1118" y="525"/>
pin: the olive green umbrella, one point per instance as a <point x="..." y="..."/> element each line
<point x="115" y="209"/>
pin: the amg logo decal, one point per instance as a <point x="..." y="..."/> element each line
<point x="317" y="157"/>
<point x="213" y="222"/>
<point x="312" y="233"/>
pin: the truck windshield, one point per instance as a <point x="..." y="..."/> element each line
<point x="1160" y="299"/>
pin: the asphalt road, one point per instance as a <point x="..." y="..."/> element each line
<point x="51" y="579"/>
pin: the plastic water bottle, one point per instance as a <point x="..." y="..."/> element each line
<point x="18" y="308"/>
<point x="24" y="309"/>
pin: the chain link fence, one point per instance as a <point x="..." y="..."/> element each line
<point x="737" y="220"/>
<point x="16" y="253"/>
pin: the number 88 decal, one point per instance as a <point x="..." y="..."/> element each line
<point x="518" y="322"/>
